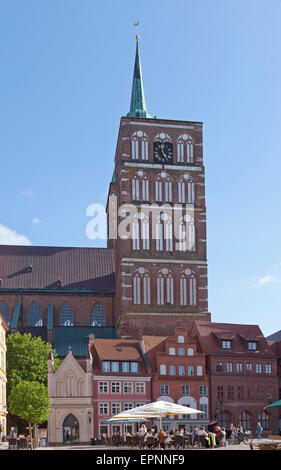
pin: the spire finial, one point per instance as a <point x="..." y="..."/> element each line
<point x="137" y="29"/>
<point x="138" y="104"/>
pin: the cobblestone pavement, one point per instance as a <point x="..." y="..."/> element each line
<point x="119" y="449"/>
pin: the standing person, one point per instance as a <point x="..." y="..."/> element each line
<point x="211" y="431"/>
<point x="154" y="429"/>
<point x="162" y="436"/>
<point x="259" y="429"/>
<point x="142" y="432"/>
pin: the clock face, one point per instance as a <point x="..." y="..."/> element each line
<point x="163" y="152"/>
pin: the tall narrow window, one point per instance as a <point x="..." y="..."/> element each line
<point x="180" y="151"/>
<point x="135" y="233"/>
<point x="165" y="287"/>
<point x="66" y="316"/>
<point x="158" y="190"/>
<point x="189" y="151"/>
<point x="164" y="233"/>
<point x="4" y="310"/>
<point x="34" y="315"/>
<point x="98" y="316"/>
<point x="186" y="234"/>
<point x="160" y="290"/>
<point x="139" y="146"/>
<point x="185" y="149"/>
<point x="135" y="189"/>
<point x="141" y="287"/>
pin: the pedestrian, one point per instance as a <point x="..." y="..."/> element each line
<point x="211" y="432"/>
<point x="161" y="437"/>
<point x="259" y="430"/>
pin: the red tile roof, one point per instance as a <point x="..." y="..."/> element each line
<point x="118" y="349"/>
<point x="211" y="334"/>
<point x="38" y="267"/>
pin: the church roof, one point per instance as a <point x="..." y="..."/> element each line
<point x="77" y="338"/>
<point x="57" y="268"/>
<point x="138" y="104"/>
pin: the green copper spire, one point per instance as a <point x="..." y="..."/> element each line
<point x="138" y="104"/>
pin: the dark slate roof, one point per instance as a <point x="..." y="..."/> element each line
<point x="77" y="338"/>
<point x="275" y="336"/>
<point x="41" y="267"/>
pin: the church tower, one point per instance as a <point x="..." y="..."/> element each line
<point x="157" y="221"/>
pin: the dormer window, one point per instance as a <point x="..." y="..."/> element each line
<point x="226" y="344"/>
<point x="252" y="346"/>
<point x="180" y="339"/>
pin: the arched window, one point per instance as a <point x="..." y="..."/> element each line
<point x="4" y="310"/>
<point x="144" y="221"/>
<point x="140" y="187"/>
<point x="164" y="232"/>
<point x="165" y="287"/>
<point x="70" y="384"/>
<point x="188" y="288"/>
<point x="185" y="149"/>
<point x="98" y="316"/>
<point x="163" y="369"/>
<point x="186" y="190"/>
<point x="66" y="316"/>
<point x="59" y="387"/>
<point x="245" y="420"/>
<point x="139" y="146"/>
<point x="172" y="352"/>
<point x="186" y="234"/>
<point x="264" y="420"/>
<point x="80" y="388"/>
<point x="34" y="315"/>
<point x="141" y="287"/>
<point x="163" y="188"/>
<point x="135" y="189"/>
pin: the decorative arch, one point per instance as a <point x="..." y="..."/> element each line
<point x="186" y="189"/>
<point x="186" y="233"/>
<point x="141" y="287"/>
<point x="185" y="149"/>
<point x="139" y="145"/>
<point x="189" y="401"/>
<point x="164" y="232"/>
<point x="98" y="316"/>
<point x="70" y="429"/>
<point x="140" y="186"/>
<point x="163" y="188"/>
<point x="66" y="315"/>
<point x="188" y="288"/>
<point x="165" y="398"/>
<point x="165" y="287"/>
<point x="34" y="315"/>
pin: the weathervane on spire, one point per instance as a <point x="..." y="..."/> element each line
<point x="137" y="29"/>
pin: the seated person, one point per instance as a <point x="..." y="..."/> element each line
<point x="220" y="436"/>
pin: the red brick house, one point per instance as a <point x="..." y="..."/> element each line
<point x="242" y="371"/>
<point x="178" y="375"/>
<point x="121" y="381"/>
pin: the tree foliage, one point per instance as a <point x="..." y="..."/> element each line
<point x="27" y="360"/>
<point x="30" y="401"/>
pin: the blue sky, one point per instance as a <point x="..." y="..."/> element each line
<point x="66" y="74"/>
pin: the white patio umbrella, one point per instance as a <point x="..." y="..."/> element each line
<point x="158" y="409"/>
